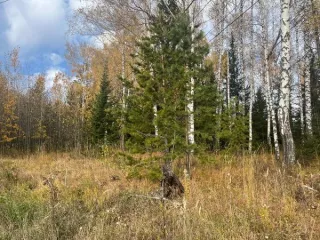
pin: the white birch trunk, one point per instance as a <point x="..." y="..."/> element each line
<point x="284" y="103"/>
<point x="124" y="90"/>
<point x="242" y="60"/>
<point x="298" y="70"/>
<point x="218" y="110"/>
<point x="269" y="94"/>
<point x="271" y="107"/>
<point x="308" y="97"/>
<point x="307" y="86"/>
<point x="155" y="116"/>
<point x="228" y="81"/>
<point x="316" y="32"/>
<point x="190" y="97"/>
<point x="251" y="82"/>
<point x="266" y="70"/>
<point x="155" y="107"/>
<point x="219" y="77"/>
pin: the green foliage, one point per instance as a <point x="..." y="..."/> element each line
<point x="104" y="125"/>
<point x="259" y="119"/>
<point x="19" y="206"/>
<point x="236" y="84"/>
<point x="234" y="129"/>
<point x="309" y="150"/>
<point x="164" y="66"/>
<point x="206" y="102"/>
<point x="315" y="95"/>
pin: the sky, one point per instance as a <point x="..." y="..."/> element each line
<point x="39" y="29"/>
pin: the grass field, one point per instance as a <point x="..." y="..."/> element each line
<point x="60" y="196"/>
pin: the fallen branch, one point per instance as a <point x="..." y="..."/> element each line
<point x="309" y="188"/>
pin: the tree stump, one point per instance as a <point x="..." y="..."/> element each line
<point x="170" y="184"/>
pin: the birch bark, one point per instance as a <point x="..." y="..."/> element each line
<point x="190" y="97"/>
<point x="123" y="100"/>
<point x="251" y="80"/>
<point x="307" y="87"/>
<point x="269" y="94"/>
<point x="284" y="103"/>
<point x="300" y="96"/>
<point x="308" y="109"/>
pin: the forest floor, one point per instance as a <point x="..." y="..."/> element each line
<point x="61" y="196"/>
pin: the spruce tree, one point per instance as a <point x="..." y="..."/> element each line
<point x="237" y="87"/>
<point x="259" y="119"/>
<point x="104" y="126"/>
<point x="234" y="123"/>
<point x="235" y="82"/>
<point x="163" y="66"/>
<point x="206" y="103"/>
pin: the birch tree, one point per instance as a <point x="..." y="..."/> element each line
<point x="269" y="93"/>
<point x="284" y="103"/>
<point x="307" y="86"/>
<point x="251" y="79"/>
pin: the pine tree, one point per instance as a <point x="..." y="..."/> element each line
<point x="104" y="126"/>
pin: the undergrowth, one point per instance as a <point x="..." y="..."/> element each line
<point x="228" y="197"/>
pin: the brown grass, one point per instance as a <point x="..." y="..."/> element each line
<point x="228" y="198"/>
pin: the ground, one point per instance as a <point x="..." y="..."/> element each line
<point x="67" y="196"/>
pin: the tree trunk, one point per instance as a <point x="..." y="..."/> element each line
<point x="251" y="82"/>
<point x="190" y="100"/>
<point x="228" y="81"/>
<point x="269" y="94"/>
<point x="218" y="110"/>
<point x="124" y="90"/>
<point x="155" y="115"/>
<point x="300" y="96"/>
<point x="242" y="60"/>
<point x="308" y="97"/>
<point x="316" y="27"/>
<point x="307" y="87"/>
<point x="284" y="103"/>
<point x="271" y="107"/>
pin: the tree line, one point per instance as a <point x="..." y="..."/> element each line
<point x="178" y="77"/>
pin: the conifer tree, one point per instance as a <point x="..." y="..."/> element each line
<point x="164" y="65"/>
<point x="259" y="119"/>
<point x="206" y="104"/>
<point x="235" y="84"/>
<point x="104" y="126"/>
<point x="237" y="89"/>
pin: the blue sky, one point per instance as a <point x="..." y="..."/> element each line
<point x="39" y="28"/>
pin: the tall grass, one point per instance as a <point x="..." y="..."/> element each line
<point x="228" y="197"/>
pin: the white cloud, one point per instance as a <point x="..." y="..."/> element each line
<point x="35" y="23"/>
<point x="100" y="40"/>
<point x="56" y="59"/>
<point x="50" y="75"/>
<point x="76" y="4"/>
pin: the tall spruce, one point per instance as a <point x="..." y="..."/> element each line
<point x="235" y="82"/>
<point x="104" y="126"/>
<point x="259" y="120"/>
<point x="164" y="65"/>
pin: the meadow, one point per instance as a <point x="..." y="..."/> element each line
<point x="69" y="196"/>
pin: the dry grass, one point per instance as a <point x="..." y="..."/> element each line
<point x="242" y="198"/>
